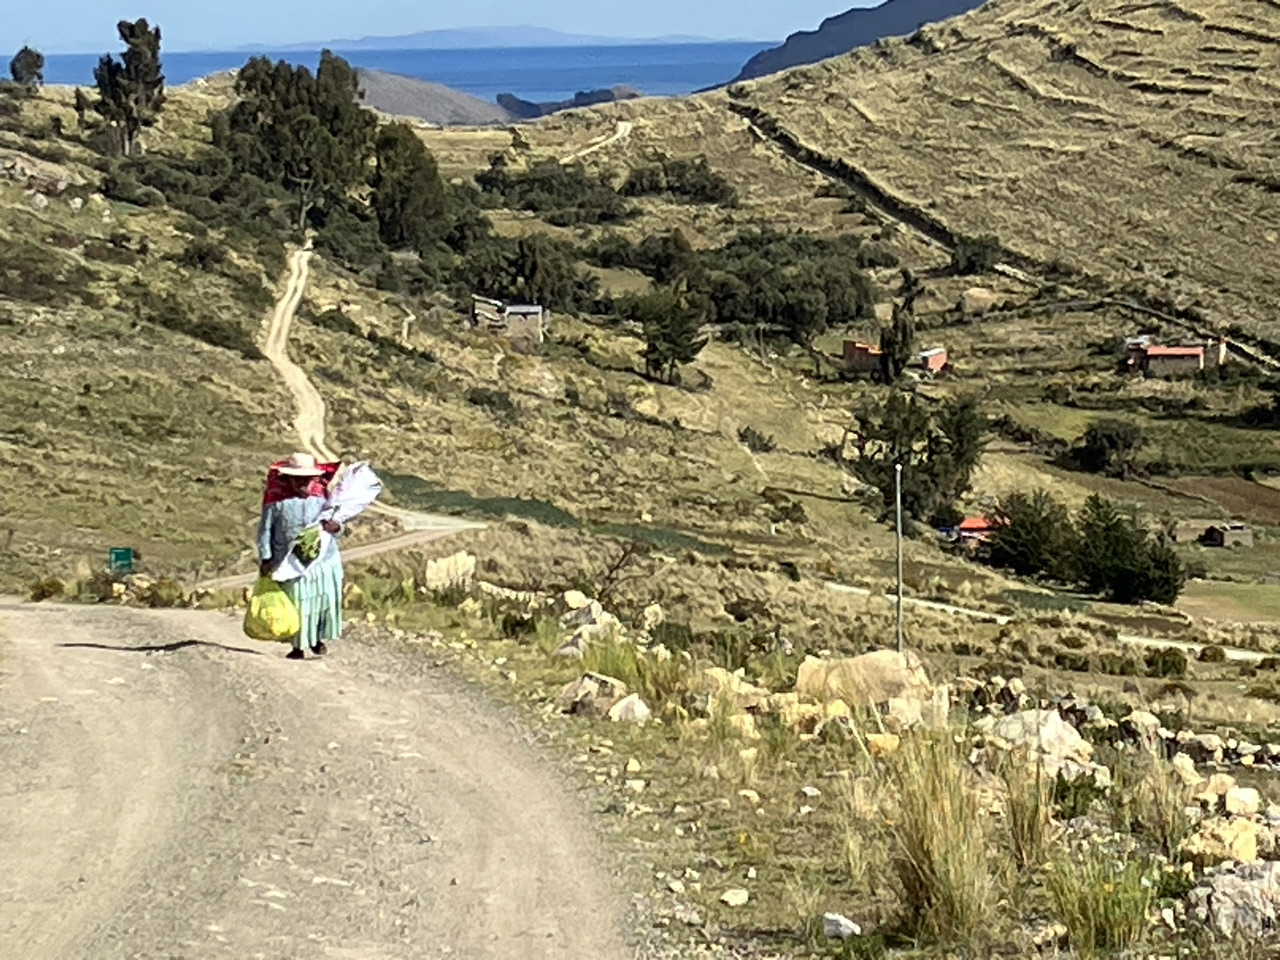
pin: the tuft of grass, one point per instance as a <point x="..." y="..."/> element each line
<point x="658" y="680"/>
<point x="1101" y="899"/>
<point x="941" y="837"/>
<point x="1028" y="809"/>
<point x="1149" y="800"/>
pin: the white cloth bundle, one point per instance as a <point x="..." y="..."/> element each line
<point x="352" y="493"/>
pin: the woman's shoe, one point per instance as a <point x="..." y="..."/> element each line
<point x="295" y="654"/>
<point x="319" y="649"/>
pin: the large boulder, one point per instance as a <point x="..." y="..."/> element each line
<point x="1046" y="738"/>
<point x="733" y="690"/>
<point x="1220" y="839"/>
<point x="1242" y="902"/>
<point x="869" y="680"/>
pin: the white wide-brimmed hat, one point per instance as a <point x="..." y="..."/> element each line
<point x="300" y="465"/>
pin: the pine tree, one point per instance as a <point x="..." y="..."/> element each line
<point x="897" y="341"/>
<point x="1033" y="536"/>
<point x="408" y="196"/>
<point x="27" y="68"/>
<point x="131" y="90"/>
<point x="671" y="325"/>
<point x="303" y="131"/>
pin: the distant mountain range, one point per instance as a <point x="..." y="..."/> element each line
<point x="479" y="38"/>
<point x="855" y="28"/>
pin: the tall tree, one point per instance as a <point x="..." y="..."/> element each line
<point x="131" y="89"/>
<point x="938" y="448"/>
<point x="27" y="68"/>
<point x="303" y="131"/>
<point x="408" y="196"/>
<point x="897" y="341"/>
<point x="671" y="321"/>
<point x="1033" y="535"/>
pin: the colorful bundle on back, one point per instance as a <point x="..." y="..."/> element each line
<point x="278" y="487"/>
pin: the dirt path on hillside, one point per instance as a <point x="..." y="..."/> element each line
<point x="621" y="132"/>
<point x="309" y="424"/>
<point x="173" y="789"/>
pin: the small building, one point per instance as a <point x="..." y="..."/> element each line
<point x="518" y="322"/>
<point x="861" y="357"/>
<point x="1156" y="360"/>
<point x="935" y="360"/>
<point x="975" y="530"/>
<point x="1228" y="535"/>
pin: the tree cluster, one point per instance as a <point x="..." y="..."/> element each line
<point x="562" y="194"/>
<point x="789" y="287"/>
<point x="692" y="181"/>
<point x="897" y="340"/>
<point x="1109" y="446"/>
<point x="938" y="445"/>
<point x="1100" y="550"/>
<point x="131" y="89"/>
<point x="534" y="269"/>
<point x="302" y="131"/>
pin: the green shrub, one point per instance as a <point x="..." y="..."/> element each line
<point x="48" y="588"/>
<point x="1166" y="662"/>
<point x="690" y="180"/>
<point x="975" y="254"/>
<point x="755" y="441"/>
<point x="1102" y="899"/>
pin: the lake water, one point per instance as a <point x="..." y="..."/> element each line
<point x="537" y="73"/>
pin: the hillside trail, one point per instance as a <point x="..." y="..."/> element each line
<point x="172" y="789"/>
<point x="621" y="132"/>
<point x="309" y="424"/>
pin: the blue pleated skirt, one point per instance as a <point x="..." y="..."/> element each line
<point x="318" y="597"/>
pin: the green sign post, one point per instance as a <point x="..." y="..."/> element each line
<point x="121" y="560"/>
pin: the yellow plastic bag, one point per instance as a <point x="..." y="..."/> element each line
<point x="271" y="614"/>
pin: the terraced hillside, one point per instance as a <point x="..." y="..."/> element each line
<point x="1134" y="143"/>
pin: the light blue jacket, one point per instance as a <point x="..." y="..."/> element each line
<point x="281" y="524"/>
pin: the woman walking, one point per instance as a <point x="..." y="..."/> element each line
<point x="291" y="506"/>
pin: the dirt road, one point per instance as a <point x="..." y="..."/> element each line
<point x="171" y="789"/>
<point x="620" y="132"/>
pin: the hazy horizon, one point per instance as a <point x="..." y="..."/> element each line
<point x="88" y="26"/>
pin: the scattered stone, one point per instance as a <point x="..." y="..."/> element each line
<point x="868" y="680"/>
<point x="630" y="709"/>
<point x="745" y="725"/>
<point x="38" y="201"/>
<point x="636" y="786"/>
<point x="838" y="927"/>
<point x="1219" y="839"/>
<point x="574" y="600"/>
<point x="1215" y="788"/>
<point x="1186" y="770"/>
<point x="1243" y="801"/>
<point x="456" y="572"/>
<point x="1047" y="738"/>
<point x="654" y="617"/>
<point x="592" y="694"/>
<point x="811" y="793"/>
<point x="76" y="204"/>
<point x="977" y="300"/>
<point x="676" y="887"/>
<point x="633" y="765"/>
<point x="883" y="744"/>
<point x="737" y="897"/>
<point x="1240" y="902"/>
<point x="733" y="690"/>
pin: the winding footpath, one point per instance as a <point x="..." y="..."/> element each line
<point x="309" y="425"/>
<point x="620" y="133"/>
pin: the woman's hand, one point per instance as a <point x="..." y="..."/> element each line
<point x="331" y="527"/>
<point x="264" y="568"/>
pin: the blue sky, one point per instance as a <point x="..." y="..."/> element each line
<point x="88" y="26"/>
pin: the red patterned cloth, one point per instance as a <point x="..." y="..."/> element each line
<point x="278" y="488"/>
